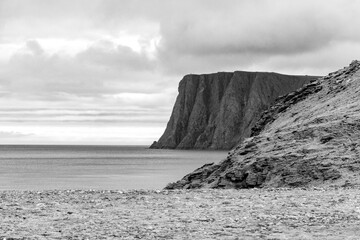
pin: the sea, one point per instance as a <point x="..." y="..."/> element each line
<point x="40" y="167"/>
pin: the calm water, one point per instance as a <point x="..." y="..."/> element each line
<point x="96" y="167"/>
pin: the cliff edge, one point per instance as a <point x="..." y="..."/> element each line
<point x="217" y="111"/>
<point x="309" y="137"/>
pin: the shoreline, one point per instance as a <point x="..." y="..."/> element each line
<point x="313" y="213"/>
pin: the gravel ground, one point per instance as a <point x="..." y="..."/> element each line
<point x="199" y="214"/>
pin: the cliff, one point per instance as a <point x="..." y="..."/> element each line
<point x="217" y="111"/>
<point x="309" y="137"/>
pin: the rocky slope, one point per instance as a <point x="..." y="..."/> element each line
<point x="218" y="110"/>
<point x="308" y="137"/>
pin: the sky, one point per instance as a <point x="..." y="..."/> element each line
<point x="107" y="71"/>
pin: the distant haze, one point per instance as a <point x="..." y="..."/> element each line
<point x="106" y="71"/>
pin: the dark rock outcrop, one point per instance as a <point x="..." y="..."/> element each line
<point x="310" y="137"/>
<point x="217" y="111"/>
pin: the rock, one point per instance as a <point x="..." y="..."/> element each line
<point x="326" y="139"/>
<point x="217" y="111"/>
<point x="309" y="137"/>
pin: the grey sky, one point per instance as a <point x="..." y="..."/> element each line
<point x="106" y="71"/>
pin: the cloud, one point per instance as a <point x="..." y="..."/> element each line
<point x="77" y="134"/>
<point x="249" y="32"/>
<point x="262" y="27"/>
<point x="76" y="116"/>
<point x="34" y="47"/>
<point x="196" y="36"/>
<point x="107" y="54"/>
<point x="99" y="69"/>
<point x="76" y="19"/>
<point x="130" y="55"/>
<point x="13" y="135"/>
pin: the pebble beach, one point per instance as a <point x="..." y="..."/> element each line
<point x="332" y="213"/>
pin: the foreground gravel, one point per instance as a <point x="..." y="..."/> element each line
<point x="199" y="214"/>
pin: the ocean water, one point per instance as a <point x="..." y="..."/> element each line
<point x="96" y="167"/>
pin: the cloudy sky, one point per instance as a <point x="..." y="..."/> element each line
<point x="106" y="71"/>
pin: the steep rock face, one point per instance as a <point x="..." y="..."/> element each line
<point x="310" y="137"/>
<point x="217" y="111"/>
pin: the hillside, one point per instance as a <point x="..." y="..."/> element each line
<point x="309" y="137"/>
<point x="217" y="111"/>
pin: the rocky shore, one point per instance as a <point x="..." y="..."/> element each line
<point x="315" y="213"/>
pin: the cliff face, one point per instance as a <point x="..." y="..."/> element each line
<point x="217" y="111"/>
<point x="310" y="137"/>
